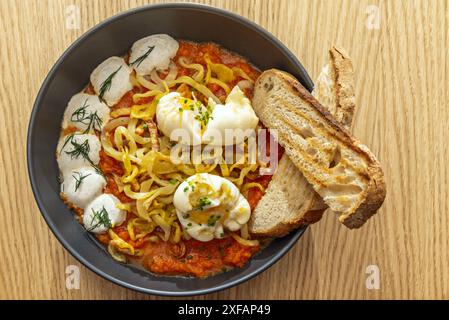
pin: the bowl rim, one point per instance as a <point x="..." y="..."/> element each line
<point x="30" y="159"/>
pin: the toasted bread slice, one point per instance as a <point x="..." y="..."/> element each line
<point x="285" y="205"/>
<point x="341" y="170"/>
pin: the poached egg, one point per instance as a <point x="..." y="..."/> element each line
<point x="209" y="124"/>
<point x="236" y="115"/>
<point x="207" y="205"/>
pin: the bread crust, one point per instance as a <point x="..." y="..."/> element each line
<point x="376" y="190"/>
<point x="375" y="196"/>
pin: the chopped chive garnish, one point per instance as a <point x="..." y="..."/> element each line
<point x="204" y="201"/>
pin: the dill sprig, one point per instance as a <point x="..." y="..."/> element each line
<point x="79" y="177"/>
<point x="100" y="217"/>
<point x="94" y="122"/>
<point x="67" y="140"/>
<point x="80" y="149"/>
<point x="91" y="120"/>
<point x="79" y="115"/>
<point x="106" y="85"/>
<point x="142" y="57"/>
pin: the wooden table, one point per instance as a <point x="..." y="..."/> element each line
<point x="401" y="57"/>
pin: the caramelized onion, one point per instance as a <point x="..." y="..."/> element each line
<point x="244" y="242"/>
<point x="178" y="250"/>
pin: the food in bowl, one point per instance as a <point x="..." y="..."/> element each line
<point x="164" y="159"/>
<point x="188" y="219"/>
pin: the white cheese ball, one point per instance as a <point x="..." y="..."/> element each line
<point x="111" y="77"/>
<point x="102" y="213"/>
<point x="78" y="150"/>
<point x="144" y="59"/>
<point x="207" y="204"/>
<point x="82" y="185"/>
<point x="86" y="112"/>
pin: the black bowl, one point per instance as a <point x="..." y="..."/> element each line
<point x="71" y="73"/>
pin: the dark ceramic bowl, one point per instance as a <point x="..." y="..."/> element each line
<point x="71" y="73"/>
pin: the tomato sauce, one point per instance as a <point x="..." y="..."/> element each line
<point x="189" y="257"/>
<point x="110" y="167"/>
<point x="195" y="258"/>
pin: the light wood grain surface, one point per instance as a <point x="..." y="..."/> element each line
<point x="402" y="115"/>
